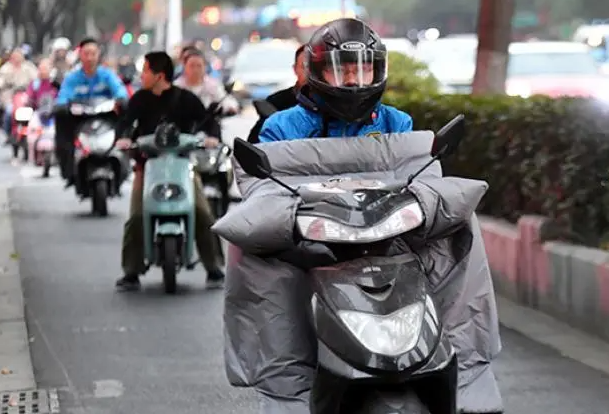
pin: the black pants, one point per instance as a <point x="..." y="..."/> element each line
<point x="65" y="134"/>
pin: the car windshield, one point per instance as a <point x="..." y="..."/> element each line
<point x="540" y="64"/>
<point x="264" y="58"/>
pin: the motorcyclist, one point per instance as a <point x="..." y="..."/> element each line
<point x="211" y="93"/>
<point x="285" y="98"/>
<point x="158" y="101"/>
<point x="89" y="81"/>
<point x="184" y="51"/>
<point x="16" y="73"/>
<point x="126" y="71"/>
<point x="59" y="56"/>
<point x="208" y="89"/>
<point x="43" y="86"/>
<point x="347" y="72"/>
<point x="346" y="77"/>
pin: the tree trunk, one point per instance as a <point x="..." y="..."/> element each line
<point x="494" y="36"/>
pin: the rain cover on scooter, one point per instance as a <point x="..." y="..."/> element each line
<point x="269" y="342"/>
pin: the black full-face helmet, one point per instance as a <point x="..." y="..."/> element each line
<point x="347" y="69"/>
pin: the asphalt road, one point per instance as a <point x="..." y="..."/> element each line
<point x="148" y="353"/>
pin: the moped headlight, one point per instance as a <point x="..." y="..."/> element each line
<point x="226" y="166"/>
<point x="23" y="114"/>
<point x="101" y="142"/>
<point x="167" y="192"/>
<point x="391" y="335"/>
<point x="323" y="229"/>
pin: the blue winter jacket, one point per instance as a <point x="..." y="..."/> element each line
<point x="300" y="122"/>
<point x="103" y="84"/>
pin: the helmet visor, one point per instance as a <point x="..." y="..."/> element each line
<point x="349" y="68"/>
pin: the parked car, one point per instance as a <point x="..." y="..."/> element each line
<point x="554" y="69"/>
<point x="451" y="60"/>
<point x="400" y="45"/>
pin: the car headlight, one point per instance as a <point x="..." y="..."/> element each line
<point x="167" y="192"/>
<point x="520" y="90"/>
<point x="390" y="335"/>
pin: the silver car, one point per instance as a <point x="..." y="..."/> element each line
<point x="263" y="68"/>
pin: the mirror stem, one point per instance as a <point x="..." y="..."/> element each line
<point x="415" y="175"/>
<point x="287" y="187"/>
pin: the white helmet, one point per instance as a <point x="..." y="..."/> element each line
<point x="61" y="43"/>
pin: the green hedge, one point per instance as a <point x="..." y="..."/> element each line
<point x="539" y="155"/>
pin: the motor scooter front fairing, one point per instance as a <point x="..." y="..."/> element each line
<point x="376" y="321"/>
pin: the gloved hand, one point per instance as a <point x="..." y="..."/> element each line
<point x="61" y="109"/>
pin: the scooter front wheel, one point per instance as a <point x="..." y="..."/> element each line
<point x="385" y="402"/>
<point x="26" y="148"/>
<point x="99" y="198"/>
<point x="47" y="161"/>
<point x="170" y="269"/>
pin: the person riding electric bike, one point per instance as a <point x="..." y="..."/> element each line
<point x="59" y="57"/>
<point x="159" y="101"/>
<point x="17" y="73"/>
<point x="208" y="89"/>
<point x="285" y="98"/>
<point x="88" y="82"/>
<point x="126" y="70"/>
<point x="43" y="87"/>
<point x="347" y="73"/>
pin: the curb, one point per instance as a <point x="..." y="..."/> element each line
<point x="541" y="328"/>
<point x="567" y="282"/>
<point x="17" y="372"/>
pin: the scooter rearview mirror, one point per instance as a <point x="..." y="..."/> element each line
<point x="253" y="160"/>
<point x="445" y="143"/>
<point x="448" y="138"/>
<point x="264" y="108"/>
<point x="256" y="163"/>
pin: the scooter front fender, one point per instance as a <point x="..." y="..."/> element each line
<point x="161" y="210"/>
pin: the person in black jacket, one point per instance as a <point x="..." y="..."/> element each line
<point x="159" y="101"/>
<point x="286" y="98"/>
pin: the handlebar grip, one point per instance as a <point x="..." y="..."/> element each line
<point x="61" y="110"/>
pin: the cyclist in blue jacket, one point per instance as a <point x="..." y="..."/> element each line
<point x="89" y="81"/>
<point x="347" y="75"/>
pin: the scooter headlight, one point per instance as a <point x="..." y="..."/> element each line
<point x="323" y="229"/>
<point x="391" y="335"/>
<point x="97" y="142"/>
<point x="167" y="192"/>
<point x="23" y="114"/>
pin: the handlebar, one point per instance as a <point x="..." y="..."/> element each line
<point x="89" y="110"/>
<point x="199" y="146"/>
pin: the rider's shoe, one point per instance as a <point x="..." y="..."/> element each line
<point x="128" y="282"/>
<point x="215" y="279"/>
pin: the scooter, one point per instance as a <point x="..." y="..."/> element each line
<point x="42" y="136"/>
<point x="22" y="114"/>
<point x="168" y="200"/>
<point x="100" y="169"/>
<point x="378" y="330"/>
<point x="215" y="167"/>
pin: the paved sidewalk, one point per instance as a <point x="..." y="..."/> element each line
<point x="16" y="372"/>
